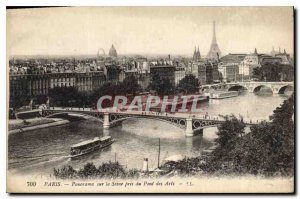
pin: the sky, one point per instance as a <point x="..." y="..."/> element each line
<point x="148" y="30"/>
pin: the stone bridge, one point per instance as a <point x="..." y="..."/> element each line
<point x="253" y="86"/>
<point x="190" y="124"/>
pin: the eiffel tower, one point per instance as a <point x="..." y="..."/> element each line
<point x="214" y="52"/>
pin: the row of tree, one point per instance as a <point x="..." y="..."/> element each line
<point x="108" y="170"/>
<point x="70" y="96"/>
<point x="274" y="72"/>
<point x="163" y="86"/>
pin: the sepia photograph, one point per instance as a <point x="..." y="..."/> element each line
<point x="150" y="99"/>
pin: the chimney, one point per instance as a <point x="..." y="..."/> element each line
<point x="145" y="165"/>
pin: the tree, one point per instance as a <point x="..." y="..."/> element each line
<point x="162" y="86"/>
<point x="84" y="99"/>
<point x="228" y="134"/>
<point x="130" y="85"/>
<point x="60" y="96"/>
<point x="89" y="171"/>
<point x="267" y="150"/>
<point x="273" y="72"/>
<point x="258" y="73"/>
<point x="189" y="84"/>
<point x="67" y="172"/>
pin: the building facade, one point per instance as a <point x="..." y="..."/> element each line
<point x="33" y="85"/>
<point x="179" y="74"/>
<point x="254" y="60"/>
<point x="212" y="72"/>
<point x="229" y="67"/>
<point x="163" y="72"/>
<point x="285" y="58"/>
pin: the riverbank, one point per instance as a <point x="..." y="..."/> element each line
<point x="20" y="126"/>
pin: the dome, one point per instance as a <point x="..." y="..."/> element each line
<point x="112" y="52"/>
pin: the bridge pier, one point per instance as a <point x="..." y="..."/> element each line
<point x="200" y="132"/>
<point x="105" y="132"/>
<point x="189" y="128"/>
<point x="106" y="123"/>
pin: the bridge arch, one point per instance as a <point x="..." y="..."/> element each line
<point x="205" y="127"/>
<point x="237" y="88"/>
<point x="258" y="88"/>
<point x="180" y="123"/>
<point x="97" y="116"/>
<point x="282" y="89"/>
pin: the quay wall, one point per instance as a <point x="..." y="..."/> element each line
<point x="41" y="126"/>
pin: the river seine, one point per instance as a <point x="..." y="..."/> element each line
<point x="38" y="152"/>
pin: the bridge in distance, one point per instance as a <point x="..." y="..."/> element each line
<point x="253" y="86"/>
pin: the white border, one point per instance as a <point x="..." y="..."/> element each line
<point x="5" y="3"/>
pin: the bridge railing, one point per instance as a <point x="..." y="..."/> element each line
<point x="199" y="116"/>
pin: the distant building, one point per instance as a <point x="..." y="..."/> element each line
<point x="163" y="72"/>
<point x="246" y="66"/>
<point x="18" y="87"/>
<point x="285" y="58"/>
<point x="229" y="67"/>
<point x="196" y="55"/>
<point x="144" y="79"/>
<point x="269" y="60"/>
<point x="122" y="75"/>
<point x="214" y="52"/>
<point x="192" y="68"/>
<point x="201" y="72"/>
<point x="273" y="52"/>
<point x="254" y="60"/>
<point x="179" y="74"/>
<point x="205" y="70"/>
<point x="112" y="72"/>
<point x="113" y="52"/>
<point x="33" y="85"/>
<point x="140" y="69"/>
<point x="212" y="72"/>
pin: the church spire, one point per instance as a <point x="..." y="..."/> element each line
<point x="214" y="40"/>
<point x="195" y="54"/>
<point x="255" y="51"/>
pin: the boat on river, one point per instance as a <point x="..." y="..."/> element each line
<point x="89" y="146"/>
<point x="223" y="94"/>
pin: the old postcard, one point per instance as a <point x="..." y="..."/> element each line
<point x="150" y="100"/>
